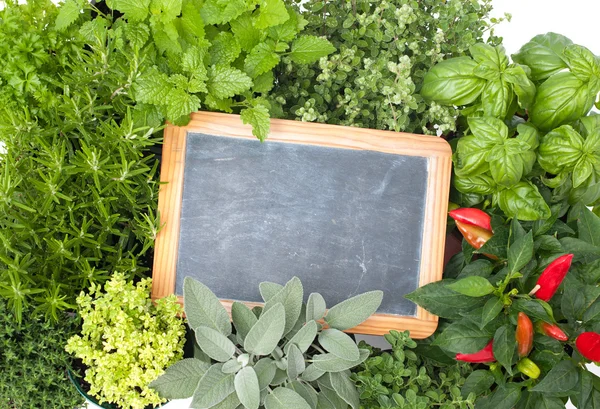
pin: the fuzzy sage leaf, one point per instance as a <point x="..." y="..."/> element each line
<point x="353" y="311"/>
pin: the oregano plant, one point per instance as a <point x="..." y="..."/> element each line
<point x="273" y="357"/>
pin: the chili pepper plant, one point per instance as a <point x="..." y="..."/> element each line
<point x="527" y="314"/>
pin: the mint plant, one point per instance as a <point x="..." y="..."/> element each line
<point x="384" y="49"/>
<point x="276" y="356"/>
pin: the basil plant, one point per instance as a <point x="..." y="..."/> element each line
<point x="530" y="144"/>
<point x="274" y="357"/>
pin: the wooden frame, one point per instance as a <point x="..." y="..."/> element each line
<point x="439" y="164"/>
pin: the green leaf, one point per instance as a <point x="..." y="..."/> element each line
<point x="230" y="402"/>
<point x="496" y="98"/>
<point x="345" y="388"/>
<point x="246" y="388"/>
<point x="534" y="308"/>
<point x="266" y="333"/>
<point x="491" y="309"/>
<point x="134" y="10"/>
<point x="268" y="290"/>
<point x="152" y="88"/>
<point x="180" y="379"/>
<point x="482" y="184"/>
<point x="180" y="103"/>
<point x="462" y="337"/>
<point x="452" y="82"/>
<point x="271" y="13"/>
<point x="258" y="117"/>
<point x="307" y="49"/>
<point x="560" y="380"/>
<point x="304" y="337"/>
<point x="442" y="301"/>
<point x="225" y="81"/>
<point x="504" y="346"/>
<point x="544" y="55"/>
<point x="520" y="253"/>
<point x="353" y="311"/>
<point x="505" y="397"/>
<point x="588" y="225"/>
<point x="582" y="62"/>
<point x="560" y="150"/>
<point x="261" y="59"/>
<point x="339" y="344"/>
<point x="244" y="31"/>
<point x="312" y="373"/>
<point x="478" y="382"/>
<point x="221" y="12"/>
<point x="331" y="363"/>
<point x="68" y="13"/>
<point x="231" y="366"/>
<point x="315" y="307"/>
<point x="295" y="362"/>
<point x="561" y="99"/>
<point x="284" y="398"/>
<point x="488" y="128"/>
<point x="213" y="387"/>
<point x="224" y="49"/>
<point x="202" y="307"/>
<point x="524" y="202"/>
<point x="265" y="371"/>
<point x="507" y="162"/>
<point x="522" y="85"/>
<point x="480" y="267"/>
<point x="291" y="298"/>
<point x="306" y="391"/>
<point x="214" y="344"/>
<point x="542" y="401"/>
<point x="243" y="318"/>
<point x="473" y="286"/>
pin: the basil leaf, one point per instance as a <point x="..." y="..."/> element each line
<point x="544" y="55"/>
<point x="562" y="98"/>
<point x="506" y="162"/>
<point x="482" y="184"/>
<point x="490" y="129"/>
<point x="583" y="170"/>
<point x="560" y="150"/>
<point x="524" y="202"/>
<point x="493" y="57"/>
<point x="452" y="82"/>
<point x="522" y="85"/>
<point x="496" y="98"/>
<point x="582" y="62"/>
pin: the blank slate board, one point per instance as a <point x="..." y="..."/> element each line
<point x="347" y="210"/>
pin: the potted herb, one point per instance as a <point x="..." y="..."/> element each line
<point x="526" y="313"/>
<point x="276" y="356"/>
<point x="126" y="342"/>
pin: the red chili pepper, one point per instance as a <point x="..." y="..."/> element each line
<point x="552" y="276"/>
<point x="588" y="344"/>
<point x="472" y="216"/>
<point x="476" y="236"/>
<point x="524" y="335"/>
<point x="485" y="355"/>
<point x="553" y="331"/>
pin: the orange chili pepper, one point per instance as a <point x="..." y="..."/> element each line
<point x="474" y="235"/>
<point x="524" y="335"/>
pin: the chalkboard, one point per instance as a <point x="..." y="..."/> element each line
<point x="343" y="209"/>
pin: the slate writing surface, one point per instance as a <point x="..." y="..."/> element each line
<point x="344" y="221"/>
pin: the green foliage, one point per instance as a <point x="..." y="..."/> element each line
<point x="84" y="92"/>
<point x="126" y="341"/>
<point x="478" y="315"/>
<point x="275" y="357"/>
<point x="530" y="144"/>
<point x="405" y="378"/>
<point x="33" y="362"/>
<point x="384" y="49"/>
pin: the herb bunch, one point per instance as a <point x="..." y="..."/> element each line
<point x="404" y="378"/>
<point x="528" y="312"/>
<point x="384" y="49"/>
<point x="85" y="89"/>
<point x="126" y="341"/>
<point x="33" y="362"/>
<point x="274" y="357"/>
<point x="530" y="142"/>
